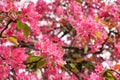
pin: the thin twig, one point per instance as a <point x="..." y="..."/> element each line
<point x="5" y="28"/>
<point x="115" y="71"/>
<point x="2" y="57"/>
<point x="101" y="49"/>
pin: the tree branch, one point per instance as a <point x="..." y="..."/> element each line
<point x="101" y="49"/>
<point x="5" y="28"/>
<point x="115" y="71"/>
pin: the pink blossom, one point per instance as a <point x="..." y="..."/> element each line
<point x="59" y="11"/>
<point x="25" y="76"/>
<point x="4" y="70"/>
<point x="42" y="7"/>
<point x="118" y="1"/>
<point x="116" y="53"/>
<point x="95" y="76"/>
<point x="11" y="30"/>
<point x="19" y="55"/>
<point x="89" y="20"/>
<point x="5" y="52"/>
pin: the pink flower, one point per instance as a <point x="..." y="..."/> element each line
<point x="116" y="53"/>
<point x="19" y="55"/>
<point x="99" y="68"/>
<point x="4" y="71"/>
<point x="118" y="1"/>
<point x="11" y="30"/>
<point x="95" y="47"/>
<point x="24" y="76"/>
<point x="42" y="7"/>
<point x="59" y="11"/>
<point x="31" y="16"/>
<point x="5" y="52"/>
<point x="95" y="76"/>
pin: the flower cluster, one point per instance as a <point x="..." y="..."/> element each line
<point x="63" y="39"/>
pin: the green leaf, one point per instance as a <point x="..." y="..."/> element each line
<point x="72" y="65"/>
<point x="98" y="34"/>
<point x="41" y="63"/>
<point x="73" y="32"/>
<point x="89" y="66"/>
<point x="13" y="40"/>
<point x="79" y="1"/>
<point x="74" y="68"/>
<point x="53" y="63"/>
<point x="18" y="13"/>
<point x="108" y="75"/>
<point x="19" y="25"/>
<point x="26" y="30"/>
<point x="32" y="59"/>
